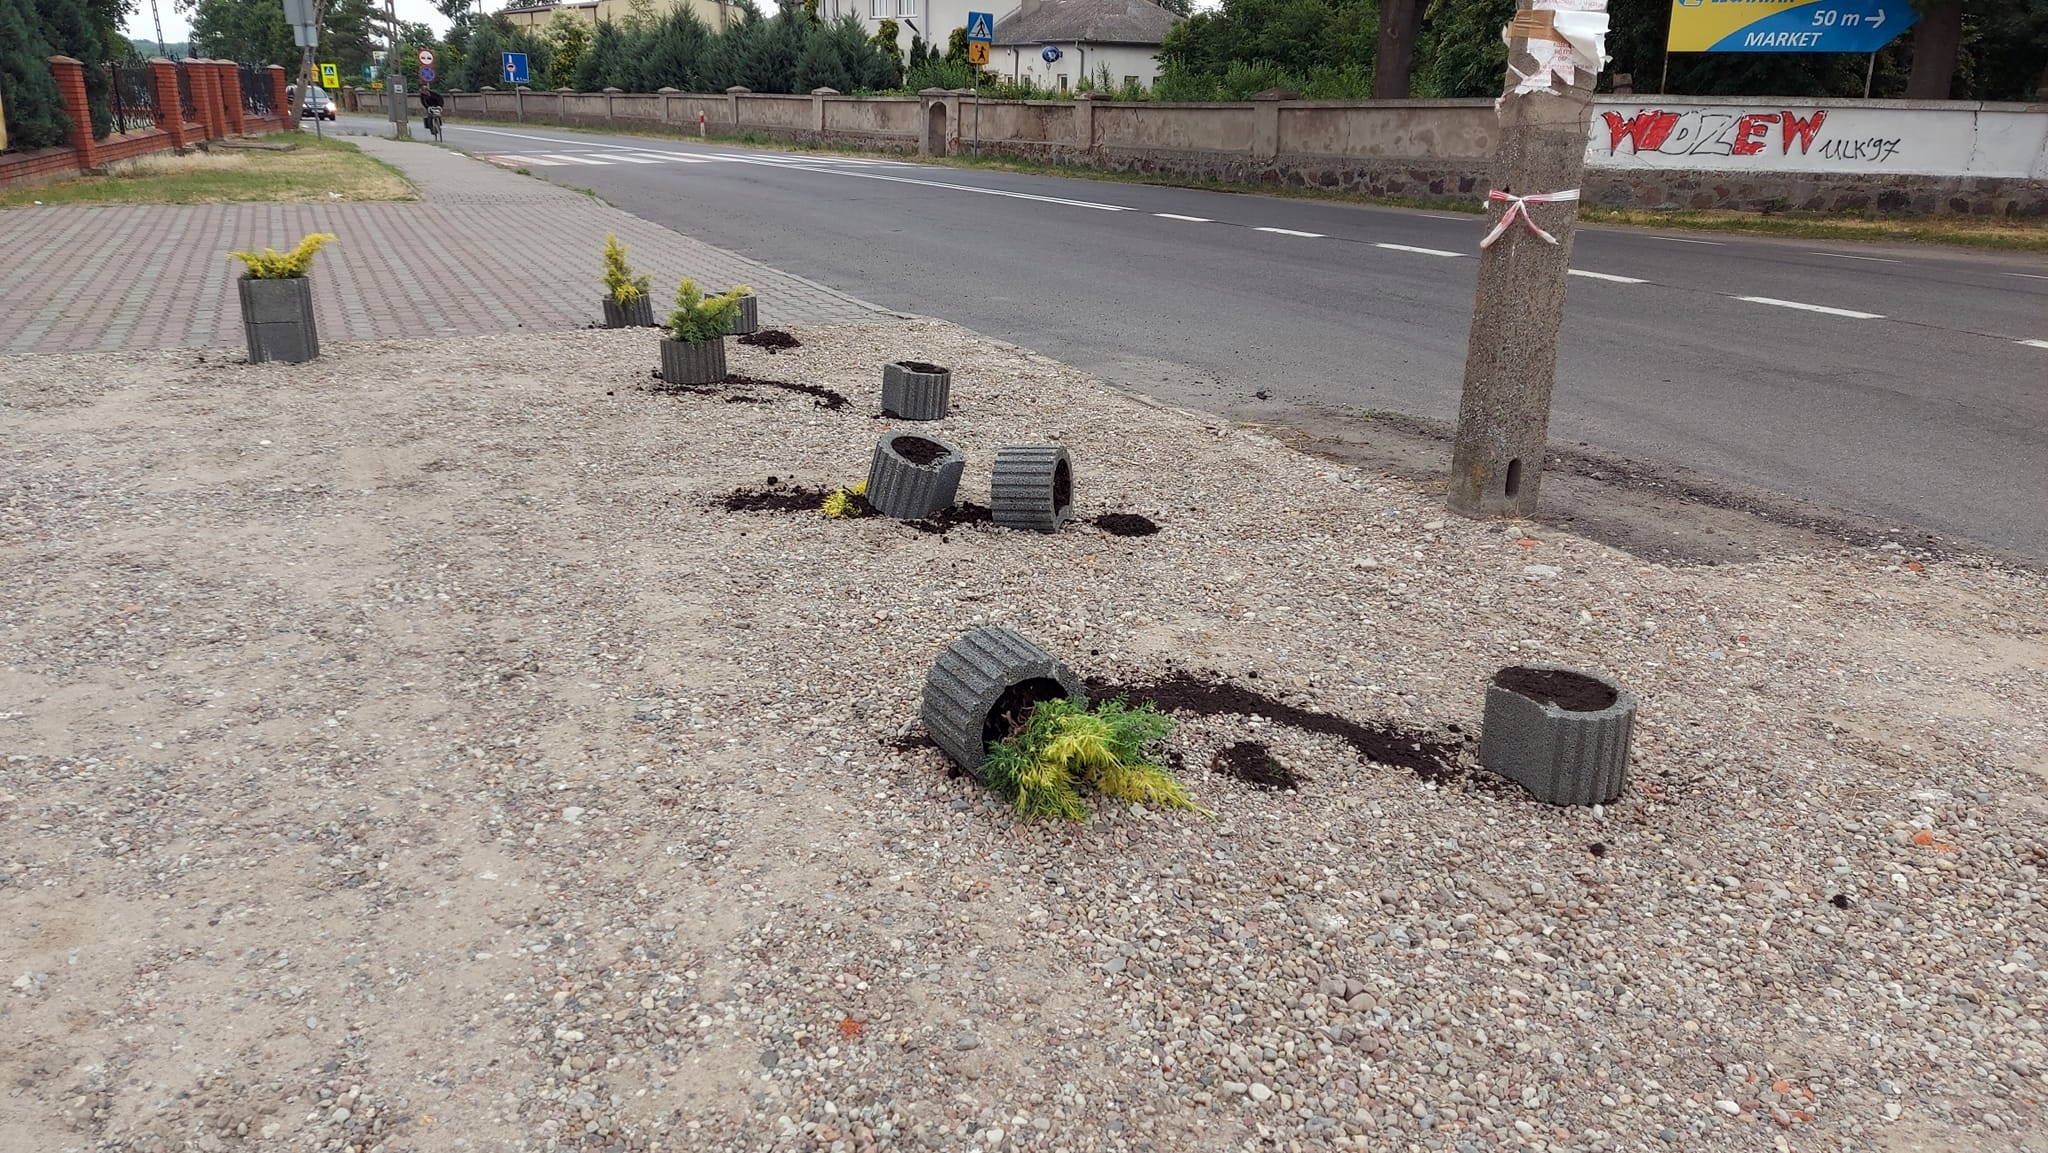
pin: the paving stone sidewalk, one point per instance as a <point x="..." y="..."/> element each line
<point x="486" y="251"/>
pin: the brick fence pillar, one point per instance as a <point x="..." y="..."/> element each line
<point x="278" y="99"/>
<point x="205" y="104"/>
<point x="170" y="114"/>
<point x="230" y="95"/>
<point x="70" y="76"/>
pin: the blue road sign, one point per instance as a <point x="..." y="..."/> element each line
<point x="1859" y="26"/>
<point x="1051" y="55"/>
<point x="426" y="74"/>
<point x="514" y="67"/>
<point x="981" y="28"/>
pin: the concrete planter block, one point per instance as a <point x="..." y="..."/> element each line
<point x="277" y="320"/>
<point x="1033" y="487"/>
<point x="1560" y="733"/>
<point x="983" y="685"/>
<point x="693" y="362"/>
<point x="638" y="314"/>
<point x="912" y="477"/>
<point x="748" y="319"/>
<point x="914" y="390"/>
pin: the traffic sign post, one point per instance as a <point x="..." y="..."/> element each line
<point x="305" y="21"/>
<point x="981" y="32"/>
<point x="513" y="67"/>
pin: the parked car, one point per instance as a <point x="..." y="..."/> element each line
<point x="317" y="103"/>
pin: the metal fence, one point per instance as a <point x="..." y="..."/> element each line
<point x="131" y="95"/>
<point x="186" y="104"/>
<point x="257" y="99"/>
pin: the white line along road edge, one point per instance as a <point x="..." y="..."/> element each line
<point x="1290" y="232"/>
<point x="2035" y="343"/>
<point x="1848" y="312"/>
<point x="1606" y="276"/>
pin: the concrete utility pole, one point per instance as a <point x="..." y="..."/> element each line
<point x="1511" y="355"/>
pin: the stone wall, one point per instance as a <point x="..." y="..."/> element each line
<point x="1897" y="156"/>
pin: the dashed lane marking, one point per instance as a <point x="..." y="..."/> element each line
<point x="1178" y="216"/>
<point x="1607" y="276"/>
<point x="2035" y="343"/>
<point x="1846" y="256"/>
<point x="1689" y="240"/>
<point x="1412" y="248"/>
<point x="1851" y="313"/>
<point x="2028" y="275"/>
<point x="1290" y="232"/>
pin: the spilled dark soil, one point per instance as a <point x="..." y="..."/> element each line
<point x="774" y="498"/>
<point x="773" y="339"/>
<point x="1430" y="755"/>
<point x="822" y="397"/>
<point x="948" y="519"/>
<point x="1252" y="762"/>
<point x="1125" y="524"/>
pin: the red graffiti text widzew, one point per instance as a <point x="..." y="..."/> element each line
<point x="1704" y="133"/>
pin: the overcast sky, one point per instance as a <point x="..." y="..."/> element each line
<point x="178" y="25"/>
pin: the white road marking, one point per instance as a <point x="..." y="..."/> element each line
<point x="1684" y="240"/>
<point x="1412" y="248"/>
<point x="2028" y="275"/>
<point x="1290" y="232"/>
<point x="2035" y="343"/>
<point x="1846" y="256"/>
<point x="1427" y="216"/>
<point x="1607" y="276"/>
<point x="575" y="159"/>
<point x="509" y="160"/>
<point x="629" y="158"/>
<point x="971" y="188"/>
<point x="1850" y="313"/>
<point x="1178" y="216"/>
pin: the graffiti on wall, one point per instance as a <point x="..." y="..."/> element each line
<point x="1713" y="132"/>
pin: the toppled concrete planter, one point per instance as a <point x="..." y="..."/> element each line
<point x="1560" y="733"/>
<point x="636" y="313"/>
<point x="277" y="319"/>
<point x="912" y="477"/>
<point x="984" y="686"/>
<point x="1033" y="487"/>
<point x="914" y="390"/>
<point x="686" y="362"/>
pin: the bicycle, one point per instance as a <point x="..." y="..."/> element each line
<point x="434" y="122"/>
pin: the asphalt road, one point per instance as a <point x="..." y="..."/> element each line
<point x="1909" y="384"/>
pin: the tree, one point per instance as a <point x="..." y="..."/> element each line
<point x="35" y="108"/>
<point x="1394" y="59"/>
<point x="73" y="28"/>
<point x="885" y="38"/>
<point x="570" y="37"/>
<point x="248" y="31"/>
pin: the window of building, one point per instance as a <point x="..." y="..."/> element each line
<point x="1063" y="82"/>
<point x="1130" y="82"/>
<point x="906" y="7"/>
<point x="880" y="9"/>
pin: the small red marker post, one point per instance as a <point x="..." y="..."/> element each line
<point x="700" y="125"/>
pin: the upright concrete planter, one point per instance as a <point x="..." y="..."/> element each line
<point x="277" y="319"/>
<point x="747" y="320"/>
<point x="1033" y="487"/>
<point x="686" y="362"/>
<point x="1558" y="732"/>
<point x="911" y="477"/>
<point x="985" y="684"/>
<point x="914" y="390"/>
<point x="639" y="313"/>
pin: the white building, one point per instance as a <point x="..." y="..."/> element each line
<point x="1084" y="35"/>
<point x="1059" y="43"/>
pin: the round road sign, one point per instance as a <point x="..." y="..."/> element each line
<point x="426" y="74"/>
<point x="426" y="57"/>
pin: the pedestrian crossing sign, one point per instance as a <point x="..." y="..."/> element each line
<point x="981" y="28"/>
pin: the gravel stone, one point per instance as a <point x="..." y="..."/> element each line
<point x="288" y="732"/>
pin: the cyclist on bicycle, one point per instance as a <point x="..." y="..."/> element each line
<point x="432" y="101"/>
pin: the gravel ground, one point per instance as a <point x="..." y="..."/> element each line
<point x="402" y="753"/>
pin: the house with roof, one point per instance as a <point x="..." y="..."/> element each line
<point x="537" y="17"/>
<point x="1059" y="43"/>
